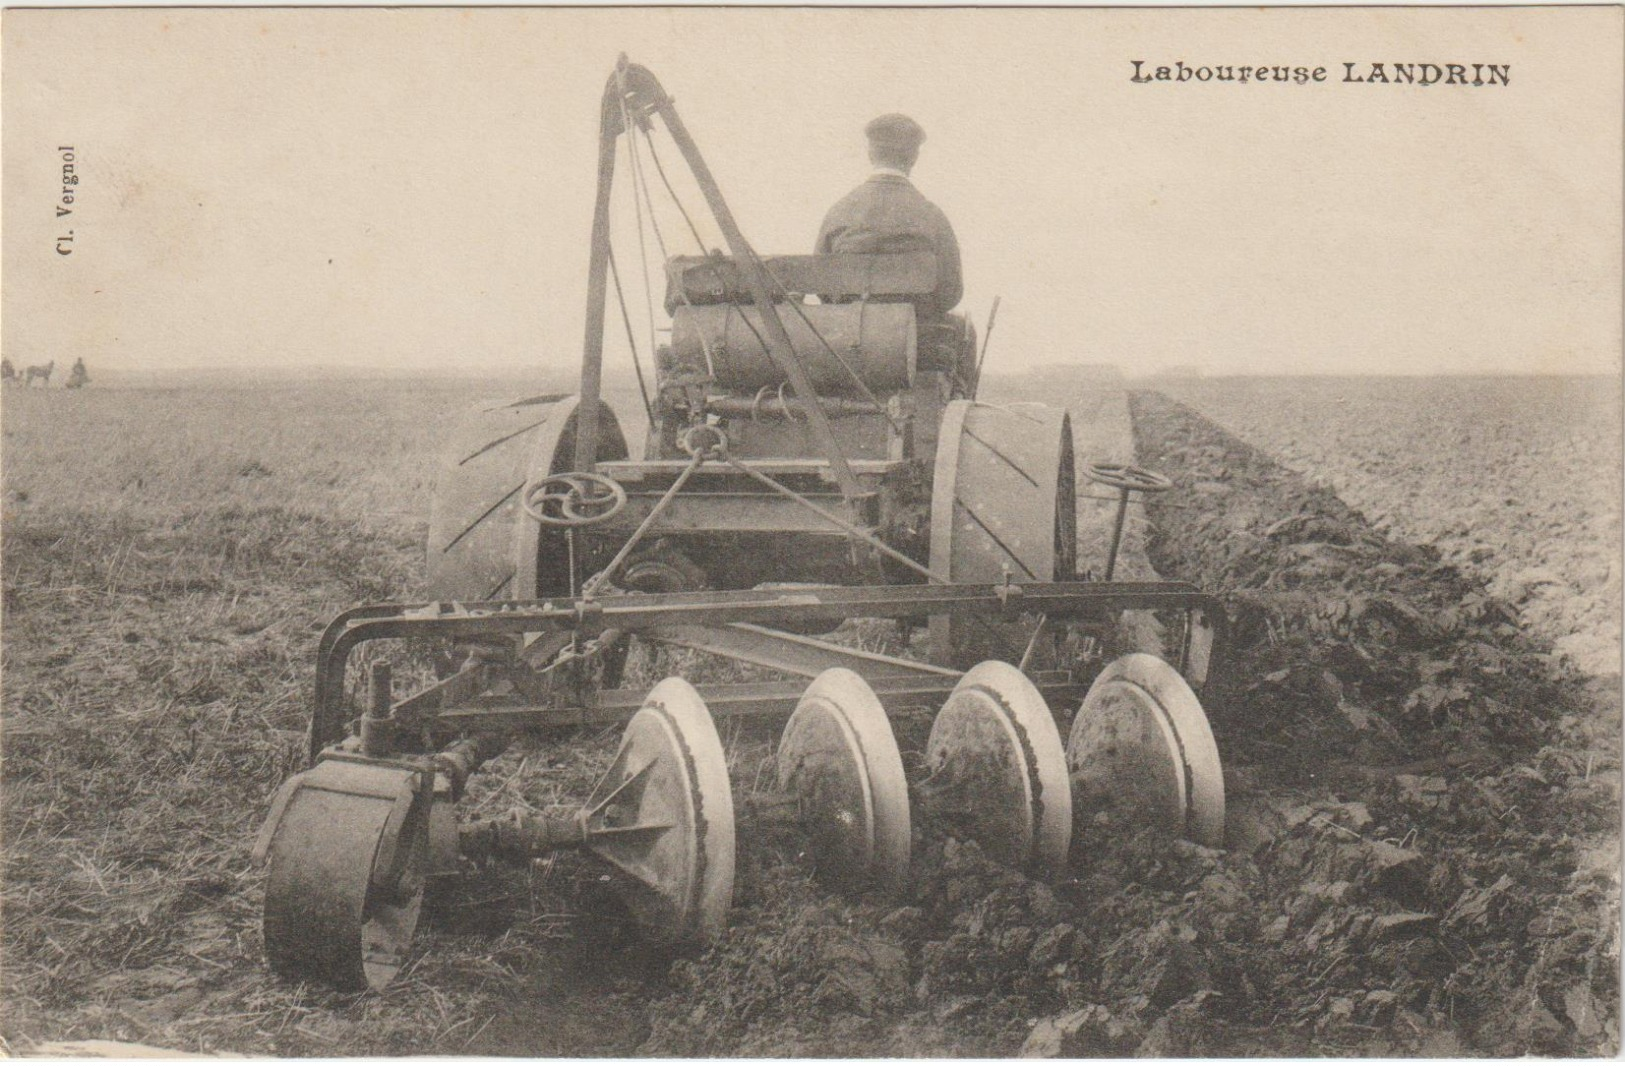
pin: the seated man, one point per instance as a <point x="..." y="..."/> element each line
<point x="888" y="214"/>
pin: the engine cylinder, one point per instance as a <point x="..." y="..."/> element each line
<point x="876" y="340"/>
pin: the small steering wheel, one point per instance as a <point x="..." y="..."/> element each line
<point x="573" y="499"/>
<point x="1131" y="478"/>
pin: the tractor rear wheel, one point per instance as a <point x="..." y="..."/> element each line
<point x="1003" y="502"/>
<point x="482" y="544"/>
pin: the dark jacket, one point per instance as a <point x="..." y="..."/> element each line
<point x="888" y="214"/>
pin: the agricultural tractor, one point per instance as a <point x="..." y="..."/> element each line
<point x="816" y="455"/>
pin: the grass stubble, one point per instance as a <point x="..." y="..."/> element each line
<point x="170" y="557"/>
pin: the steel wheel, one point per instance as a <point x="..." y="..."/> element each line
<point x="998" y="773"/>
<point x="347" y="847"/>
<point x="1003" y="502"/>
<point x="482" y="545"/>
<point x="1141" y="751"/>
<point x="838" y="756"/>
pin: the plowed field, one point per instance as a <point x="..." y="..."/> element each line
<point x="1513" y="478"/>
<point x="1421" y="859"/>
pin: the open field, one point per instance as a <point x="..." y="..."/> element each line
<point x="1423" y="853"/>
<point x="1514" y="478"/>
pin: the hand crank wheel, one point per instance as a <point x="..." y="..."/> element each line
<point x="1141" y="750"/>
<point x="998" y="773"/>
<point x="839" y="758"/>
<point x="347" y="847"/>
<point x="663" y="815"/>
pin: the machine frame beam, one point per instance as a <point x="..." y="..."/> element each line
<point x="647" y="614"/>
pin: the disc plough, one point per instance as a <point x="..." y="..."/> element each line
<point x="790" y="485"/>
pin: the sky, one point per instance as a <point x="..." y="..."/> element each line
<point x="413" y="187"/>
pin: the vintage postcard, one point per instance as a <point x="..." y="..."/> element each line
<point x="797" y="532"/>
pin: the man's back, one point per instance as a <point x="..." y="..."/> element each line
<point x="888" y="214"/>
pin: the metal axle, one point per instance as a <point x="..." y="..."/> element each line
<point x="519" y="836"/>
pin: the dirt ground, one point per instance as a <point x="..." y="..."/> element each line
<point x="1516" y="479"/>
<point x="1422" y="855"/>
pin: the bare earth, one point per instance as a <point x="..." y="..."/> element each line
<point x="1517" y="478"/>
<point x="1423" y="848"/>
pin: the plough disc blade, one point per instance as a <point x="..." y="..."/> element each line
<point x="839" y="758"/>
<point x="998" y="772"/>
<point x="663" y="816"/>
<point x="1141" y="750"/>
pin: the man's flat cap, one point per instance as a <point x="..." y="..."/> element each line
<point x="896" y="131"/>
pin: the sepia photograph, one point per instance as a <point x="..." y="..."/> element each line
<point x="811" y="532"/>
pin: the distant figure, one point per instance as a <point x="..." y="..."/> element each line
<point x="888" y="214"/>
<point x="41" y="372"/>
<point x="77" y="378"/>
<point x="7" y="371"/>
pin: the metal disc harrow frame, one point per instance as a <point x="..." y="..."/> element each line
<point x="351" y="843"/>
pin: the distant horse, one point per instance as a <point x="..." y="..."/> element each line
<point x="41" y="372"/>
